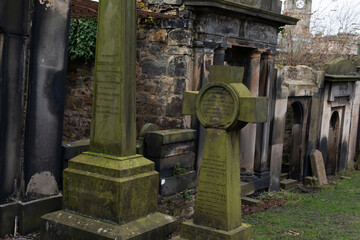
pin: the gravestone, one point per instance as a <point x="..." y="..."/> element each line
<point x="33" y="59"/>
<point x="110" y="192"/>
<point x="223" y="106"/>
<point x="318" y="167"/>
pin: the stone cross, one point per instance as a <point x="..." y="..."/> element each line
<point x="223" y="106"/>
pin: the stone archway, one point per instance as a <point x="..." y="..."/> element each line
<point x="332" y="159"/>
<point x="293" y="140"/>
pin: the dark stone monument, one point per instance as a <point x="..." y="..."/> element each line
<point x="222" y="106"/>
<point x="110" y="192"/>
<point x="33" y="61"/>
<point x="173" y="152"/>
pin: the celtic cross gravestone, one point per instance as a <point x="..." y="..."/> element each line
<point x="223" y="106"/>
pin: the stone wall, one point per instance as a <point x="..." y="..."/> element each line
<point x="78" y="101"/>
<point x="164" y="71"/>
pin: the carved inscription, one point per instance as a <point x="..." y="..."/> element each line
<point x="217" y="106"/>
<point x="107" y="99"/>
<point x="211" y="196"/>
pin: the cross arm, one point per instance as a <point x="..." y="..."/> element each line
<point x="189" y="103"/>
<point x="253" y="109"/>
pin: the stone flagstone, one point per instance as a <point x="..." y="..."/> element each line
<point x="223" y="107"/>
<point x="110" y="192"/>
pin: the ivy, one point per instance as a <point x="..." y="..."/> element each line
<point x="82" y="43"/>
<point x="82" y="39"/>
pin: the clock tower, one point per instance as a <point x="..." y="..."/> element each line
<point x="300" y="9"/>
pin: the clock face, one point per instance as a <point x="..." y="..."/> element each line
<point x="300" y="4"/>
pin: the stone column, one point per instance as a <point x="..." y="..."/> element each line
<point x="354" y="125"/>
<point x="198" y="65"/>
<point x="219" y="56"/>
<point x="277" y="139"/>
<point x="248" y="134"/>
<point x="263" y="130"/>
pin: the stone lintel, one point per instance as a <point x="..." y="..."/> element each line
<point x="341" y="78"/>
<point x="189" y="230"/>
<point x="65" y="225"/>
<point x="241" y="8"/>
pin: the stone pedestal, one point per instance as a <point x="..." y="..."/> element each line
<point x="113" y="197"/>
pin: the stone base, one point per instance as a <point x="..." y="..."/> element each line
<point x="176" y="184"/>
<point x="191" y="231"/>
<point x="248" y="188"/>
<point x="28" y="213"/>
<point x="64" y="225"/>
<point x="288" y="184"/>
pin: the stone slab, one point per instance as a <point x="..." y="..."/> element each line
<point x="250" y="201"/>
<point x="311" y="181"/>
<point x="8" y="212"/>
<point x="73" y="149"/>
<point x="288" y="184"/>
<point x="318" y="167"/>
<point x="64" y="225"/>
<point x="248" y="188"/>
<point x="154" y="150"/>
<point x="191" y="231"/>
<point x="176" y="184"/>
<point x="171" y="136"/>
<point x="30" y="212"/>
<point x="186" y="160"/>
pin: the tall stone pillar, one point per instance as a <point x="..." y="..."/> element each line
<point x="263" y="130"/>
<point x="110" y="192"/>
<point x="248" y="133"/>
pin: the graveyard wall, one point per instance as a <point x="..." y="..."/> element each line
<point x="78" y="101"/>
<point x="164" y="72"/>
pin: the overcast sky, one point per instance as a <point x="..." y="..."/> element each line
<point x="333" y="16"/>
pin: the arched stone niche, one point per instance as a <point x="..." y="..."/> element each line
<point x="332" y="159"/>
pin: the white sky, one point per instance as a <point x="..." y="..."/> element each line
<point x="333" y="16"/>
